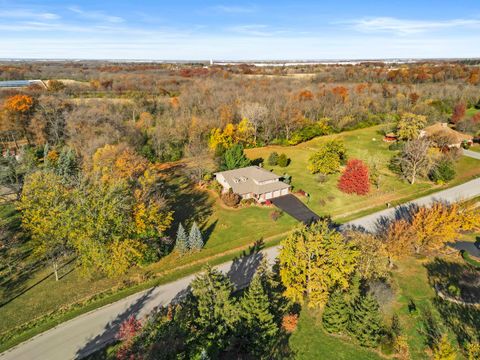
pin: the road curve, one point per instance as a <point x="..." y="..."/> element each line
<point x="84" y="334"/>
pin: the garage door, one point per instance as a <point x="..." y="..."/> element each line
<point x="276" y="193"/>
<point x="268" y="195"/>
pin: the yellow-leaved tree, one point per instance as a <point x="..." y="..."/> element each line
<point x="313" y="260"/>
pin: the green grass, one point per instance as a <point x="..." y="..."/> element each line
<point x="327" y="199"/>
<point x="310" y="341"/>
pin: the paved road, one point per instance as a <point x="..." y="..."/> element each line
<point x="472" y="154"/>
<point x="80" y="336"/>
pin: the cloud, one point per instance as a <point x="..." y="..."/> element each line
<point x="96" y="15"/>
<point x="407" y="27"/>
<point x="234" y="9"/>
<point x="256" y="30"/>
<point x="27" y="14"/>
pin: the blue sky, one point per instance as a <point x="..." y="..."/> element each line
<point x="242" y="30"/>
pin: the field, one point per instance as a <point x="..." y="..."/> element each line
<point x="364" y="144"/>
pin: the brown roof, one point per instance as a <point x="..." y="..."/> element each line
<point x="442" y="129"/>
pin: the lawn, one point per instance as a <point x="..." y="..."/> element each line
<point x="310" y="341"/>
<point x="365" y="144"/>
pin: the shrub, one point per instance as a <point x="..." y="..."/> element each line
<point x="355" y="178"/>
<point x="273" y="159"/>
<point x="453" y="290"/>
<point x="230" y="198"/>
<point x="283" y="160"/>
<point x="275" y="215"/>
<point x="396" y="146"/>
<point x="287" y="179"/>
<point x="289" y="322"/>
<point x="444" y="171"/>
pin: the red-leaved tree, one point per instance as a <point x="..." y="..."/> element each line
<point x="355" y="179"/>
<point x="458" y="112"/>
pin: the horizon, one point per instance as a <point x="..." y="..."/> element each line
<point x="262" y="31"/>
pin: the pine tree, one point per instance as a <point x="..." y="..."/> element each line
<point x="258" y="330"/>
<point x="214" y="315"/>
<point x="181" y="244"/>
<point x="337" y="312"/>
<point x="195" y="239"/>
<point x="444" y="350"/>
<point x="365" y="321"/>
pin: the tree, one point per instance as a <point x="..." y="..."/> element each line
<point x="181" y="243"/>
<point x="328" y="158"/>
<point x="336" y="313"/>
<point x="409" y="126"/>
<point x="415" y="160"/>
<point x="372" y="262"/>
<point x="47" y="215"/>
<point x="398" y="240"/>
<point x="473" y="351"/>
<point x="273" y="159"/>
<point x="19" y="109"/>
<point x="355" y="178"/>
<point x="444" y="350"/>
<point x="195" y="240"/>
<point x="313" y="260"/>
<point x="214" y="313"/>
<point x="257" y="331"/>
<point x="458" y="112"/>
<point x="435" y="226"/>
<point x="365" y="321"/>
<point x="230" y="198"/>
<point x="443" y="171"/>
<point x="235" y="158"/>
<point x="283" y="160"/>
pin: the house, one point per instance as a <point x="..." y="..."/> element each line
<point x="390" y="137"/>
<point x="253" y="182"/>
<point x="442" y="130"/>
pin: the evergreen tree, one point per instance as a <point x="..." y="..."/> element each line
<point x="181" y="244"/>
<point x="273" y="158"/>
<point x="257" y="331"/>
<point x="272" y="286"/>
<point x="67" y="166"/>
<point x="337" y="312"/>
<point x="214" y="315"/>
<point x="365" y="321"/>
<point x="234" y="158"/>
<point x="195" y="239"/>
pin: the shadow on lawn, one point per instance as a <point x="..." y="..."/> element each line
<point x="111" y="329"/>
<point x="463" y="320"/>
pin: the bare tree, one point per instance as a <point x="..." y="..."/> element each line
<point x="415" y="160"/>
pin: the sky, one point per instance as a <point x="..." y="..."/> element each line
<point x="239" y="30"/>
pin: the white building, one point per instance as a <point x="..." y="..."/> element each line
<point x="253" y="182"/>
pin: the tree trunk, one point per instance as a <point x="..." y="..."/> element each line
<point x="55" y="269"/>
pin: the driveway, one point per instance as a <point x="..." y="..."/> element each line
<point x="472" y="154"/>
<point x="296" y="208"/>
<point x="84" y="334"/>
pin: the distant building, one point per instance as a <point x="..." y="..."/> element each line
<point x="442" y="130"/>
<point x="253" y="182"/>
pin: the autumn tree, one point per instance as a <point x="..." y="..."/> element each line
<point x="355" y="178"/>
<point x="328" y="158"/>
<point x="414" y="160"/>
<point x="47" y="216"/>
<point x="435" y="226"/>
<point x="19" y="109"/>
<point x="409" y="126"/>
<point x="443" y="349"/>
<point x="313" y="260"/>
<point x="372" y="261"/>
<point x="458" y="112"/>
<point x="398" y="240"/>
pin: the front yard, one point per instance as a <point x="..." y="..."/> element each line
<point x="365" y="144"/>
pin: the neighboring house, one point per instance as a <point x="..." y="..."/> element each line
<point x="442" y="130"/>
<point x="253" y="182"/>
